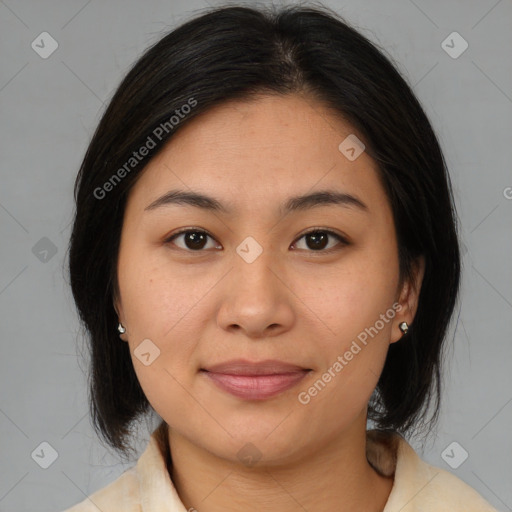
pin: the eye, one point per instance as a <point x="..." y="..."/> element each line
<point x="194" y="239"/>
<point x="318" y="240"/>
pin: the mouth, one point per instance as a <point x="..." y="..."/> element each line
<point x="255" y="380"/>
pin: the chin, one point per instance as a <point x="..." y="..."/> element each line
<point x="260" y="443"/>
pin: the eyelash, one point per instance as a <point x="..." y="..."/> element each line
<point x="343" y="241"/>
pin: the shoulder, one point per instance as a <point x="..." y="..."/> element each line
<point x="419" y="486"/>
<point x="120" y="495"/>
<point x="145" y="487"/>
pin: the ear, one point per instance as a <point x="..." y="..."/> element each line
<point x="408" y="297"/>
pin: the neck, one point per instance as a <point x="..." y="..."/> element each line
<point x="333" y="476"/>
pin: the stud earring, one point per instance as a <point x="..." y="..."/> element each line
<point x="404" y="327"/>
<point x="121" y="329"/>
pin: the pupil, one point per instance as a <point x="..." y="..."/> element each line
<point x="319" y="240"/>
<point x="196" y="239"/>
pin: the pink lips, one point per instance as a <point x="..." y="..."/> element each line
<point x="255" y="381"/>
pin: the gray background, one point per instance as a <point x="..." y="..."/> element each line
<point x="49" y="110"/>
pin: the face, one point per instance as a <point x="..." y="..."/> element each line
<point x="313" y="284"/>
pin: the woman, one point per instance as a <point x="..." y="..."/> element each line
<point x="265" y="219"/>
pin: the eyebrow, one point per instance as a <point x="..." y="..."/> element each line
<point x="296" y="203"/>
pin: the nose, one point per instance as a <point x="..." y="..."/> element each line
<point x="256" y="299"/>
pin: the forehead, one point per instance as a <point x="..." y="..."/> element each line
<point x="253" y="154"/>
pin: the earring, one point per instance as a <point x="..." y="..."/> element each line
<point x="404" y="327"/>
<point x="121" y="329"/>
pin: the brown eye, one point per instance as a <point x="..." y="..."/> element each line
<point x="318" y="239"/>
<point x="193" y="239"/>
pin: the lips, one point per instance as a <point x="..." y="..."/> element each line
<point x="254" y="380"/>
<point x="244" y="367"/>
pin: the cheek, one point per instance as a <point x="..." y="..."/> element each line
<point x="352" y="354"/>
<point x="156" y="299"/>
<point x="168" y="305"/>
<point x="353" y="318"/>
<point x="351" y="298"/>
<point x="163" y="324"/>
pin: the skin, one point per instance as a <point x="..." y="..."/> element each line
<point x="293" y="303"/>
